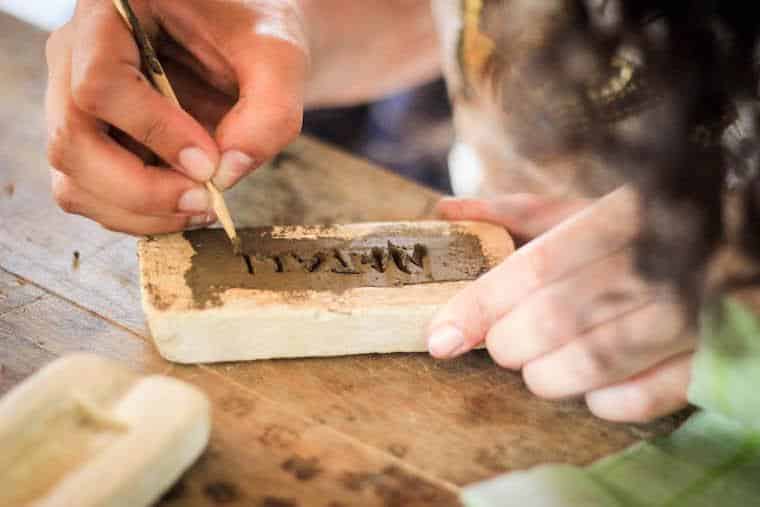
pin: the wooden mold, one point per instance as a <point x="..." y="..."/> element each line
<point x="88" y="432"/>
<point x="308" y="291"/>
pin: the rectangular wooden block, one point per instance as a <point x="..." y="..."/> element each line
<point x="308" y="291"/>
<point x="88" y="432"/>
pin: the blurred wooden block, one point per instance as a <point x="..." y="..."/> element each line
<point x="85" y="432"/>
<point x="308" y="291"/>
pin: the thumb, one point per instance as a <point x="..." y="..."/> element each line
<point x="463" y="322"/>
<point x="524" y="215"/>
<point x="268" y="115"/>
<point x="604" y="227"/>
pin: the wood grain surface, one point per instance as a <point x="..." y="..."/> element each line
<point x="367" y="430"/>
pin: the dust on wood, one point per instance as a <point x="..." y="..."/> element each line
<point x="303" y="469"/>
<point x="396" y="487"/>
<point x="222" y="492"/>
<point x="274" y="501"/>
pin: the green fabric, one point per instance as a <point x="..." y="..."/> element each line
<point x="544" y="486"/>
<point x="726" y="375"/>
<point x="712" y="460"/>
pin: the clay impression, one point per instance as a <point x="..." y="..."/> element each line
<point x="275" y="261"/>
<point x="88" y="432"/>
<point x="303" y="291"/>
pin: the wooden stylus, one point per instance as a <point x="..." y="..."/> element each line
<point x="157" y="75"/>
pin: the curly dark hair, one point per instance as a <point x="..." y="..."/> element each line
<point x="665" y="92"/>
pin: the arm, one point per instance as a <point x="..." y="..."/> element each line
<point x="570" y="309"/>
<point x="364" y="50"/>
<point x="243" y="71"/>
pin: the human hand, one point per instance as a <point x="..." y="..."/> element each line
<point x="570" y="310"/>
<point x="238" y="68"/>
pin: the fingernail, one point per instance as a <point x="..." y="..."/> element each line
<point x="195" y="200"/>
<point x="200" y="221"/>
<point x="233" y="166"/>
<point x="196" y="164"/>
<point x="446" y="342"/>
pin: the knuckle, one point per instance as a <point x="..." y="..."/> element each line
<point x="65" y="196"/>
<point x="91" y="89"/>
<point x="469" y="310"/>
<point x="56" y="148"/>
<point x="554" y="318"/>
<point x="290" y="124"/>
<point x="503" y="350"/>
<point x="478" y="312"/>
<point x="60" y="140"/>
<point x="500" y="353"/>
<point x="154" y="131"/>
<point x="141" y="203"/>
<point x="153" y="197"/>
<point x="539" y="265"/>
<point x="630" y="337"/>
<point x="592" y="365"/>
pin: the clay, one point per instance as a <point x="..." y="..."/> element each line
<point x="409" y="257"/>
<point x="97" y="416"/>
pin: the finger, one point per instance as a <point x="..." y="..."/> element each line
<point x="599" y="231"/>
<point x="564" y="310"/>
<point x="79" y="147"/>
<point x="525" y="215"/>
<point x="652" y="394"/>
<point x="264" y="50"/>
<point x="611" y="352"/>
<point x="103" y="167"/>
<point x="269" y="112"/>
<point x="75" y="200"/>
<point x="207" y="105"/>
<point x="107" y="83"/>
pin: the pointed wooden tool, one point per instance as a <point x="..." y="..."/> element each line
<point x="161" y="82"/>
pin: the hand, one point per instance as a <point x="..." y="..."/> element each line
<point x="238" y="68"/>
<point x="569" y="309"/>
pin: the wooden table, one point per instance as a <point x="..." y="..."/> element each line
<point x="392" y="430"/>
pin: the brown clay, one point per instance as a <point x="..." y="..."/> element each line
<point x="409" y="257"/>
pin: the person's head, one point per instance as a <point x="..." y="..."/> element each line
<point x="663" y="94"/>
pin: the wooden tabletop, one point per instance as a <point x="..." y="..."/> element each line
<point x="370" y="430"/>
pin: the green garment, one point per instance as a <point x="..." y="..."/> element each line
<point x="712" y="460"/>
